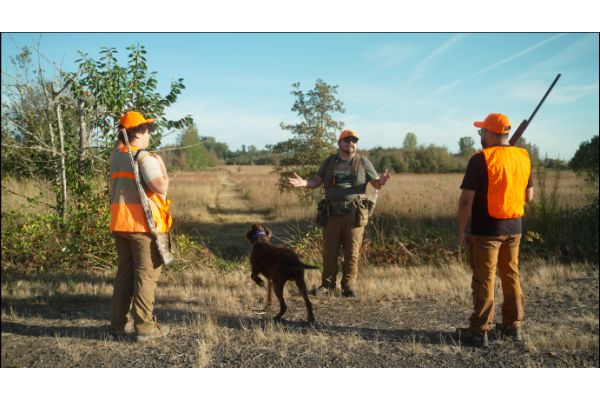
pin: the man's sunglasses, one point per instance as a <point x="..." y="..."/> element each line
<point x="350" y="139"/>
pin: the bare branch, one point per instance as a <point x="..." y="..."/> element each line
<point x="32" y="199"/>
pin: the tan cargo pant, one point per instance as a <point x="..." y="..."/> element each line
<point x="487" y="252"/>
<point x="340" y="230"/>
<point x="139" y="267"/>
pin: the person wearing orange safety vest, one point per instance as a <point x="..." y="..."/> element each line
<point x="497" y="184"/>
<point x="139" y="262"/>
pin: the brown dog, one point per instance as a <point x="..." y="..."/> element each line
<point x="278" y="265"/>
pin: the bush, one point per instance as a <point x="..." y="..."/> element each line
<point x="42" y="242"/>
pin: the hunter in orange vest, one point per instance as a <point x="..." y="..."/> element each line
<point x="139" y="263"/>
<point x="495" y="188"/>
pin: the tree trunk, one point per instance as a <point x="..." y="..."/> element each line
<point x="83" y="138"/>
<point x="63" y="170"/>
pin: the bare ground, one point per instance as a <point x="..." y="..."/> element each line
<point x="405" y="317"/>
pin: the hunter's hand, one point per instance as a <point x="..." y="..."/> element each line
<point x="297" y="181"/>
<point x="384" y="178"/>
<point x="463" y="239"/>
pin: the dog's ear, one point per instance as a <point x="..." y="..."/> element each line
<point x="251" y="232"/>
<point x="268" y="232"/>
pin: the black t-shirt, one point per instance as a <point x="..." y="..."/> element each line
<point x="476" y="178"/>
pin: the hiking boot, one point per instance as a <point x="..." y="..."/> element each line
<point x="510" y="332"/>
<point x="349" y="293"/>
<point x="119" y="334"/>
<point x="158" y="332"/>
<point x="116" y="334"/>
<point x="478" y="338"/>
<point x="322" y="291"/>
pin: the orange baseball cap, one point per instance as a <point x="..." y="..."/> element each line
<point x="495" y="122"/>
<point x="131" y="119"/>
<point x="348" y="133"/>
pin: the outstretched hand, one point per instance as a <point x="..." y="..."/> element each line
<point x="296" y="181"/>
<point x="385" y="177"/>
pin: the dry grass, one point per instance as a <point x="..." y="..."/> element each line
<point x="15" y="193"/>
<point x="404" y="317"/>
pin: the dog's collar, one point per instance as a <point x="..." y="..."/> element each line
<point x="257" y="234"/>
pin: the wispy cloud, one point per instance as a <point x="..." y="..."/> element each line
<point x="421" y="69"/>
<point x="388" y="55"/>
<point x="532" y="90"/>
<point x="448" y="86"/>
<point x="519" y="54"/>
<point x="453" y="84"/>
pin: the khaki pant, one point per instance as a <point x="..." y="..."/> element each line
<point x="487" y="252"/>
<point x="340" y="230"/>
<point x="139" y="267"/>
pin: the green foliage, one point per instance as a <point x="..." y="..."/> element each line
<point x="314" y="136"/>
<point x="557" y="232"/>
<point x="430" y="159"/>
<point x="90" y="102"/>
<point x="466" y="146"/>
<point x="410" y="141"/>
<point x="109" y="89"/>
<point x="193" y="155"/>
<point x="45" y="241"/>
<point x="585" y="160"/>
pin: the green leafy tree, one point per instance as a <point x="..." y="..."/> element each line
<point x="410" y="141"/>
<point x="51" y="124"/>
<point x="585" y="160"/>
<point x="314" y="136"/>
<point x="194" y="155"/>
<point x="466" y="146"/>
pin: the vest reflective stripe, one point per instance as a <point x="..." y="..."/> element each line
<point x="126" y="211"/>
<point x="129" y="175"/>
<point x="508" y="170"/>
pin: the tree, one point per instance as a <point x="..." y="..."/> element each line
<point x="193" y="153"/>
<point x="314" y="136"/>
<point x="466" y="146"/>
<point x="49" y="125"/>
<point x="410" y="141"/>
<point x="585" y="160"/>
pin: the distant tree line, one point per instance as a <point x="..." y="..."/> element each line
<point x="194" y="152"/>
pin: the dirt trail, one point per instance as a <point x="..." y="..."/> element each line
<point x="223" y="229"/>
<point x="232" y="206"/>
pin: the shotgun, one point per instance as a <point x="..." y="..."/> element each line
<point x="162" y="240"/>
<point x="521" y="129"/>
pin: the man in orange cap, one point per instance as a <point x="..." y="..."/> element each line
<point x="139" y="263"/>
<point x="345" y="176"/>
<point x="495" y="188"/>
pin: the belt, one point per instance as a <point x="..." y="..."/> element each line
<point x="342" y="203"/>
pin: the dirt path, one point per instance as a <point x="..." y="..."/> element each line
<point x="232" y="206"/>
<point x="222" y="230"/>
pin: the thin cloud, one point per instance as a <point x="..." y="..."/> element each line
<point x="388" y="55"/>
<point x="425" y="65"/>
<point x="519" y="54"/>
<point x="531" y="90"/>
<point x="451" y="85"/>
<point x="447" y="87"/>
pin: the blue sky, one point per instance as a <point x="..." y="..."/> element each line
<point x="432" y="84"/>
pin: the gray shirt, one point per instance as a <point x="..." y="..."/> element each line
<point x="343" y="187"/>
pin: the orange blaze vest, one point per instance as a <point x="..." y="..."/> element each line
<point x="508" y="170"/>
<point x="126" y="211"/>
